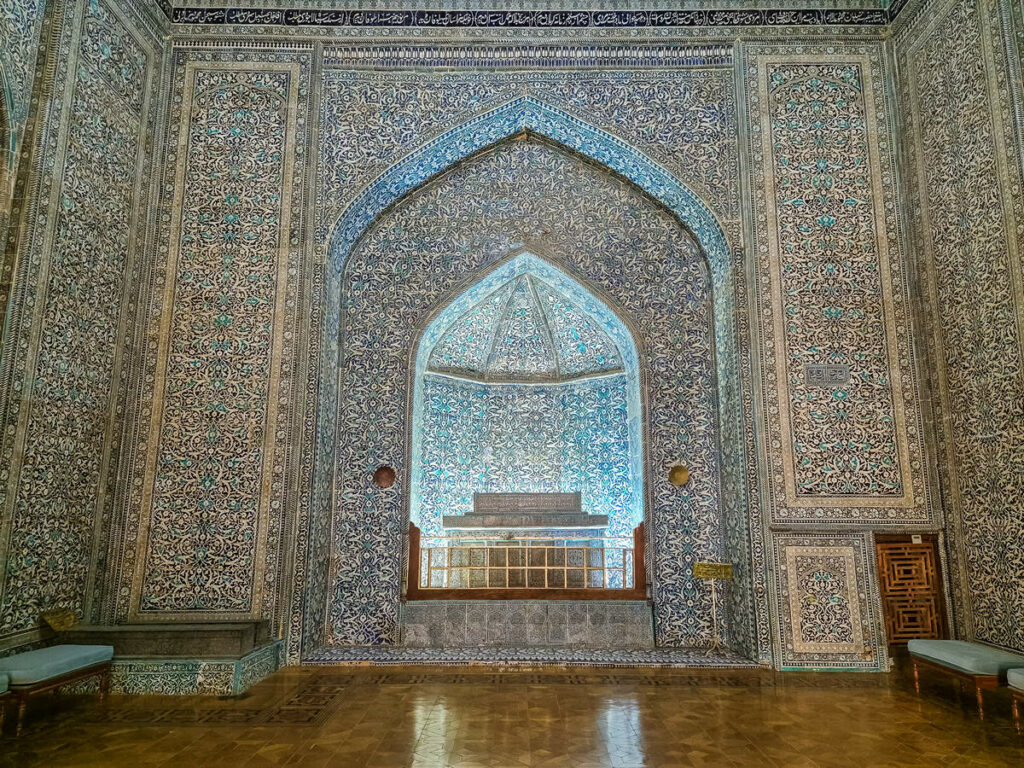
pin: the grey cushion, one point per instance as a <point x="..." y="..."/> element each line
<point x="4" y="682"/>
<point x="1015" y="678"/>
<point x="972" y="658"/>
<point x="46" y="663"/>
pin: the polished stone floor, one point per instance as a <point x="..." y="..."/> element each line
<point x="417" y="716"/>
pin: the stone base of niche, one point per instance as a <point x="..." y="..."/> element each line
<point x="527" y="623"/>
<point x="183" y="659"/>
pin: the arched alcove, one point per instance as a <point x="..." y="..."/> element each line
<point x="526" y="383"/>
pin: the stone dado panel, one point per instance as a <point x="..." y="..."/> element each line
<point x="71" y="312"/>
<point x="519" y="623"/>
<point x="832" y="289"/>
<point x="210" y="524"/>
<point x="968" y="213"/>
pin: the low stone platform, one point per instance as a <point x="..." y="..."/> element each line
<point x="513" y="521"/>
<point x="220" y="640"/>
<point x="216" y="658"/>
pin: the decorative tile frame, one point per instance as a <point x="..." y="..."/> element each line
<point x="827" y="599"/>
<point x="382" y="308"/>
<point x="859" y="238"/>
<point x="251" y="537"/>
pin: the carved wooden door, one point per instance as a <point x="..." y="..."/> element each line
<point x="911" y="583"/>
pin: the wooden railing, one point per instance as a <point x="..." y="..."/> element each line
<point x="525" y="569"/>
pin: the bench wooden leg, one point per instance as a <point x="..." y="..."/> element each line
<point x="981" y="702"/>
<point x="22" y="705"/>
<point x="917" y="678"/>
<point x="1016" y="714"/>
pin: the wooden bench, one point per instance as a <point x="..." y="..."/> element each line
<point x="1015" y="679"/>
<point x="47" y="669"/>
<point x="982" y="665"/>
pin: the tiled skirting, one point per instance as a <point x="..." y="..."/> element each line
<point x="593" y="657"/>
<point x="527" y="623"/>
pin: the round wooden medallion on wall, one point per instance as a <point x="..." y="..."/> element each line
<point x="384" y="476"/>
<point x="679" y="475"/>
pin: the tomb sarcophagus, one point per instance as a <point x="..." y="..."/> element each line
<point x="524" y="511"/>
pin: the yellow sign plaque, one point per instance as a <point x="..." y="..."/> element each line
<point x="712" y="571"/>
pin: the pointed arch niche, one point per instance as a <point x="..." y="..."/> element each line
<point x="526" y="186"/>
<point x="526" y="382"/>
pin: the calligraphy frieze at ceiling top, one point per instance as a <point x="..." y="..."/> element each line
<point x="493" y="14"/>
<point x="526" y="5"/>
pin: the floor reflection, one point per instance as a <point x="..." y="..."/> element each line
<point x="469" y="717"/>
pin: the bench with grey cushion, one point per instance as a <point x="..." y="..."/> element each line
<point x="1015" y="679"/>
<point x="49" y="668"/>
<point x="983" y="665"/>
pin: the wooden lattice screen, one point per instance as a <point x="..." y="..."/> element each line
<point x="911" y="586"/>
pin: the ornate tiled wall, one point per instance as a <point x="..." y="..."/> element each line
<point x="524" y="193"/>
<point x="475" y="111"/>
<point x="846" y="455"/>
<point x="963" y="128"/>
<point x="71" y="312"/>
<point x="832" y="290"/>
<point x="290" y="270"/>
<point x="20" y="25"/>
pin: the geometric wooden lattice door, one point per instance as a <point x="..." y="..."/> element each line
<point x="911" y="586"/>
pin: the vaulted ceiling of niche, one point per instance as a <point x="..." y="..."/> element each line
<point x="525" y="331"/>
